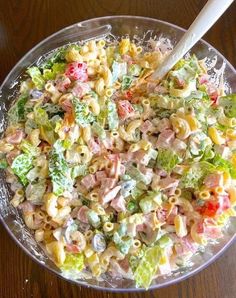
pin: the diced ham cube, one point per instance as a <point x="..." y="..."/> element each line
<point x="118" y="203"/>
<point x="62" y="83"/>
<point x="100" y="175"/>
<point x="82" y="214"/>
<point x="16" y="137"/>
<point x="160" y="89"/>
<point x="166" y="139"/>
<point x="125" y="109"/>
<point x="179" y="145"/>
<point x="163" y="124"/>
<point x="168" y="182"/>
<point x="108" y="143"/>
<point x="27" y="207"/>
<point x="12" y="155"/>
<point x="107" y="184"/>
<point x="110" y="195"/>
<point x="151" y="87"/>
<point x="146" y="126"/>
<point x="66" y="105"/>
<point x="213" y="180"/>
<point x="80" y="89"/>
<point x="139" y="157"/>
<point x="93" y="146"/>
<point x="89" y="181"/>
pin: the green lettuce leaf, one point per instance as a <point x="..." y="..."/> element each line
<point x="59" y="170"/>
<point x="17" y="111"/>
<point x="126" y="82"/>
<point x="147" y="267"/>
<point x="167" y="159"/>
<point x="112" y="115"/>
<point x="36" y="76"/>
<point x="73" y="262"/>
<point x="228" y="102"/>
<point x="224" y="165"/>
<point x="21" y="166"/>
<point x="83" y="116"/>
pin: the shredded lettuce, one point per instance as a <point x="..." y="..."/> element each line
<point x="147" y="267"/>
<point x="167" y="159"/>
<point x="59" y="170"/>
<point x="119" y="69"/>
<point x="126" y="82"/>
<point x="3" y="164"/>
<point x="57" y="56"/>
<point x="46" y="128"/>
<point x="224" y="165"/>
<point x="35" y="191"/>
<point x="17" y="111"/>
<point x="29" y="149"/>
<point x="93" y="218"/>
<point x="150" y="202"/>
<point x="83" y="116"/>
<point x="57" y="68"/>
<point x="21" y="166"/>
<point x="228" y="102"/>
<point x="99" y="130"/>
<point x="134" y="70"/>
<point x="137" y="175"/>
<point x="122" y="243"/>
<point x="73" y="262"/>
<point x="37" y="77"/>
<point x="193" y="178"/>
<point x="112" y="115"/>
<point x="80" y="170"/>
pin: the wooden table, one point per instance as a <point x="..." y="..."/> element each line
<point x="22" y="25"/>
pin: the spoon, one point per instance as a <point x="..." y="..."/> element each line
<point x="210" y="13"/>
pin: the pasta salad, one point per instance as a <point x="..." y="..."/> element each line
<point x="117" y="174"/>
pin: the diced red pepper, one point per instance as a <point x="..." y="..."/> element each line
<point x="125" y="109"/>
<point x="77" y="71"/>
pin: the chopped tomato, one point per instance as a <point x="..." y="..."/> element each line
<point x="210" y="208"/>
<point x="128" y="94"/>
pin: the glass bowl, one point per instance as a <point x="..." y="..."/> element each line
<point x="141" y="29"/>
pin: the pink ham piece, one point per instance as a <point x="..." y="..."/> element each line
<point x="107" y="184"/>
<point x="73" y="248"/>
<point x="93" y="146"/>
<point x="160" y="89"/>
<point x="27" y="207"/>
<point x="16" y="137"/>
<point x="110" y="195"/>
<point x="166" y="139"/>
<point x="89" y="181"/>
<point x="82" y="214"/>
<point x="163" y="125"/>
<point x="62" y="83"/>
<point x="124" y="264"/>
<point x="146" y="126"/>
<point x="108" y="143"/>
<point x="80" y="89"/>
<point x="213" y="180"/>
<point x="66" y="105"/>
<point x="171" y="217"/>
<point x="12" y="155"/>
<point x="168" y="182"/>
<point x="139" y="157"/>
<point x="100" y="175"/>
<point x="118" y="204"/>
<point x="151" y="87"/>
<point x="211" y="230"/>
<point x="162" y="215"/>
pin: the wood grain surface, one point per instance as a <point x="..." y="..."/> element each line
<point x="23" y="23"/>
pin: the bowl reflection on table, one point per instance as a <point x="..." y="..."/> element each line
<point x="142" y="29"/>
